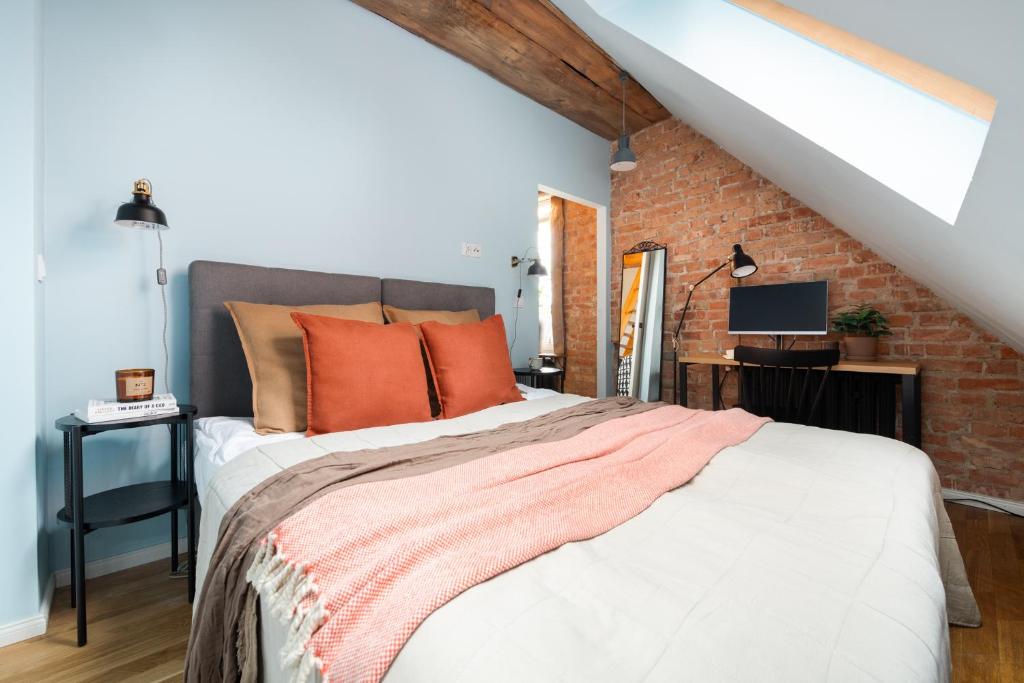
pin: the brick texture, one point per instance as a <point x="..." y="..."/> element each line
<point x="689" y="193"/>
<point x="579" y="299"/>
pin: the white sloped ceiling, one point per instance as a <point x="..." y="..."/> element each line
<point x="976" y="264"/>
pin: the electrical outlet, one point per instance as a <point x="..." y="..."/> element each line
<point x="471" y="249"/>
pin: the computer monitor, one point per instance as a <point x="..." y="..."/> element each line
<point x="792" y="308"/>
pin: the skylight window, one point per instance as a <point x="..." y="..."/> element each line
<point x="907" y="138"/>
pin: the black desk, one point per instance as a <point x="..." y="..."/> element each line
<point x="126" y="504"/>
<point x="906" y="373"/>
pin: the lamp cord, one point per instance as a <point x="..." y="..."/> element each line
<point x="519" y="297"/>
<point x="163" y="301"/>
<point x="622" y="79"/>
<point x="518" y="305"/>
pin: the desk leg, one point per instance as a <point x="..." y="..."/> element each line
<point x="78" y="568"/>
<point x="716" y="388"/>
<point x="912" y="409"/>
<point x="175" y="452"/>
<point x="682" y="393"/>
<point x="190" y="481"/>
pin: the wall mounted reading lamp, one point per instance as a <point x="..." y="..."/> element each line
<point x="537" y="269"/>
<point x="142" y="214"/>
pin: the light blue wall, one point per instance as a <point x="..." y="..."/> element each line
<point x="307" y="134"/>
<point x="43" y="426"/>
<point x="20" y="495"/>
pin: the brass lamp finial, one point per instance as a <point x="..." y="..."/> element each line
<point x="143" y="186"/>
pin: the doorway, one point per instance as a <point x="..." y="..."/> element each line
<point x="572" y="233"/>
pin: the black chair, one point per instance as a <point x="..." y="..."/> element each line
<point x="781" y="384"/>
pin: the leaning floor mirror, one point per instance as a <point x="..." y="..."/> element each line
<point x="640" y="313"/>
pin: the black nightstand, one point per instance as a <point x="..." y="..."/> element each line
<point x="542" y="378"/>
<point x="126" y="504"/>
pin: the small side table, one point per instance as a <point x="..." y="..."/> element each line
<point x="126" y="504"/>
<point x="542" y="378"/>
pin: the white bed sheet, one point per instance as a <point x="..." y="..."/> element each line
<point x="219" y="440"/>
<point x="801" y="555"/>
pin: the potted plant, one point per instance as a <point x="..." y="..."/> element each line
<point x="861" y="326"/>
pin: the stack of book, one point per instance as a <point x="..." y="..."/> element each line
<point x="106" y="410"/>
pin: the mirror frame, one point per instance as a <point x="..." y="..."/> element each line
<point x="654" y="374"/>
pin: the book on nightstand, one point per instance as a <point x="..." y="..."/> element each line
<point x="105" y="410"/>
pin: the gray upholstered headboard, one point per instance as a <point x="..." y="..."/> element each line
<point x="219" y="376"/>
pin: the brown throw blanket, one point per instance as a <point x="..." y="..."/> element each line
<point x="222" y="645"/>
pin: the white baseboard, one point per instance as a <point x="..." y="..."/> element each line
<point x="982" y="501"/>
<point x="109" y="565"/>
<point x="32" y="626"/>
<point x="36" y="625"/>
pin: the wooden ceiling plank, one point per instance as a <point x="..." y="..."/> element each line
<point x="471" y="32"/>
<point x="633" y="89"/>
<point x="547" y="26"/>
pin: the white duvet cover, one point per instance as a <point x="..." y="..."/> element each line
<point x="801" y="555"/>
<point x="219" y="440"/>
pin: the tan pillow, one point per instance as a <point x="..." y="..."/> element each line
<point x="405" y="315"/>
<point x="272" y="343"/>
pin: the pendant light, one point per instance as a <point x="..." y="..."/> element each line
<point x="624" y="159"/>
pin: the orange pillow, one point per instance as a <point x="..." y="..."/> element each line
<point x="408" y="315"/>
<point x="471" y="365"/>
<point x="361" y="374"/>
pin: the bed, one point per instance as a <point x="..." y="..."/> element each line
<point x="800" y="554"/>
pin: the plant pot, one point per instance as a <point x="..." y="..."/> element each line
<point x="861" y="348"/>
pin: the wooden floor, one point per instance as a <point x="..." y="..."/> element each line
<point x="139" y="618"/>
<point x="993" y="548"/>
<point x="138" y="630"/>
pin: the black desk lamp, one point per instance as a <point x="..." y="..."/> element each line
<point x="742" y="266"/>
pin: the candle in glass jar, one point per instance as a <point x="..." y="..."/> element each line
<point x="135" y="384"/>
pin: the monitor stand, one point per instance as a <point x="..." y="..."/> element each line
<point x="778" y="342"/>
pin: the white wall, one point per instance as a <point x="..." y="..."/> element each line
<point x="20" y="570"/>
<point x="307" y="134"/>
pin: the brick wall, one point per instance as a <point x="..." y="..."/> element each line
<point x="690" y="194"/>
<point x="579" y="299"/>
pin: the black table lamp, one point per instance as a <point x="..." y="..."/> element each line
<point x="742" y="266"/>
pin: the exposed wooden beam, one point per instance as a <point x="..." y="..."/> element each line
<point x="545" y="24"/>
<point x="531" y="47"/>
<point x="963" y="96"/>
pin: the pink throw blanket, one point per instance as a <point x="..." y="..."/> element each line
<point x="355" y="572"/>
